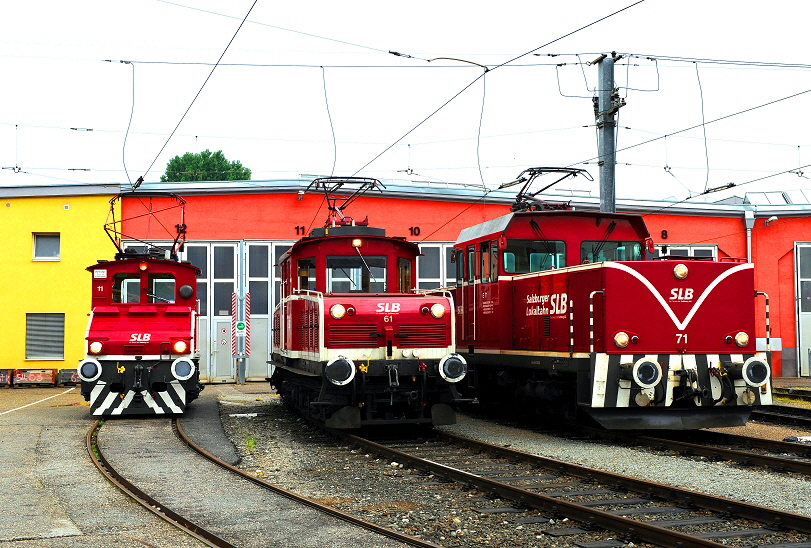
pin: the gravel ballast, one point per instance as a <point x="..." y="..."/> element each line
<point x="279" y="447"/>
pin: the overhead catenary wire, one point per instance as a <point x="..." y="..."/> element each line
<point x="129" y="124"/>
<point x="683" y="130"/>
<point x="704" y="129"/>
<point x="309" y="34"/>
<point x="198" y="92"/>
<point x="331" y="127"/>
<point x="465" y="88"/>
<point x="479" y="133"/>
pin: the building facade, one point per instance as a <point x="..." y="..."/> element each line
<point x="236" y="232"/>
<point x="49" y="237"/>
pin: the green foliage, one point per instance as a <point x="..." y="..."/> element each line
<point x="204" y="166"/>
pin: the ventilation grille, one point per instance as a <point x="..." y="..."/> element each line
<point x="423" y="336"/>
<point x="352" y="336"/>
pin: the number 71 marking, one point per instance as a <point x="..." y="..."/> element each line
<point x="681" y="337"/>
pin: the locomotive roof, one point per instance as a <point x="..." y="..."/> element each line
<point x="500" y="224"/>
<point x="123" y="264"/>
<point x="324" y="235"/>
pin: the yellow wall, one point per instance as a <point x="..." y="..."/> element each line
<point x="63" y="286"/>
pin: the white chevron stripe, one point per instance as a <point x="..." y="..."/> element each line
<point x="681" y="325"/>
<point x="167" y="399"/>
<point x="124" y="403"/>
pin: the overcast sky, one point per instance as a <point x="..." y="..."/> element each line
<point x="311" y="88"/>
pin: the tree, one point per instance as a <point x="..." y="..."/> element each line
<point x="204" y="166"/>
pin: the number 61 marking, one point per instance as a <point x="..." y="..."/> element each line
<point x="681" y="337"/>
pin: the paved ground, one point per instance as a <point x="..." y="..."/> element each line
<point x="52" y="496"/>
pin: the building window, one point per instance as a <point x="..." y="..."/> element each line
<point x="46" y="247"/>
<point x="45" y="336"/>
<point x="707" y="252"/>
<point x="432" y="271"/>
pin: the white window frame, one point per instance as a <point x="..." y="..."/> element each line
<point x="444" y="276"/>
<point x="44" y="258"/>
<point x="691" y="249"/>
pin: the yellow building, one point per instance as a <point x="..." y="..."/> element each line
<point x="49" y="236"/>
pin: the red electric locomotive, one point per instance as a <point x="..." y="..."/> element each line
<point x="565" y="311"/>
<point x="353" y="343"/>
<point x="142" y="354"/>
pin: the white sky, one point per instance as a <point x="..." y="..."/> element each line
<point x="274" y="119"/>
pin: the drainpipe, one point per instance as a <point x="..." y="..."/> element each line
<point x="749" y="220"/>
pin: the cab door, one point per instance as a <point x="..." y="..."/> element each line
<point x="487" y="325"/>
<point x="469" y="289"/>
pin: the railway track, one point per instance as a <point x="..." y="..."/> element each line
<point x="782" y="456"/>
<point x="624" y="507"/>
<point x="783" y="414"/>
<point x="215" y="502"/>
<point x="793" y="393"/>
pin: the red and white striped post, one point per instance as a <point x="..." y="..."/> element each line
<point x="247" y="324"/>
<point x="233" y="324"/>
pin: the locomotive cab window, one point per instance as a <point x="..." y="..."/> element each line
<point x="599" y="251"/>
<point x="127" y="288"/>
<point x="460" y="267"/>
<point x="523" y="256"/>
<point x="356" y="274"/>
<point x="306" y="273"/>
<point x="404" y="275"/>
<point x="162" y="288"/>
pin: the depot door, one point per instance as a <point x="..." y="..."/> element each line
<point x="803" y="292"/>
<point x="223" y="283"/>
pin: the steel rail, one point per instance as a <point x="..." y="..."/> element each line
<point x="621" y="525"/>
<point x="142" y="498"/>
<point x="676" y="495"/>
<point x="391" y="533"/>
<point x="719" y="453"/>
<point x="793" y="393"/>
<point x="783" y="414"/>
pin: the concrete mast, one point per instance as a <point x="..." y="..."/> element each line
<point x="606" y="104"/>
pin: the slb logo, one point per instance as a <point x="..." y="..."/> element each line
<point x="140" y="337"/>
<point x="388" y="308"/>
<point x="681" y="294"/>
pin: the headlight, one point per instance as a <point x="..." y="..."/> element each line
<point x="741" y="338"/>
<point x="337" y="311"/>
<point x="680" y="271"/>
<point x="183" y="369"/>
<point x="437" y="311"/>
<point x="95" y="347"/>
<point x="340" y="371"/>
<point x="89" y="370"/>
<point x="406" y="353"/>
<point x="755" y="372"/>
<point x="180" y="347"/>
<point x="647" y="373"/>
<point x="452" y="368"/>
<point x="621" y="339"/>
